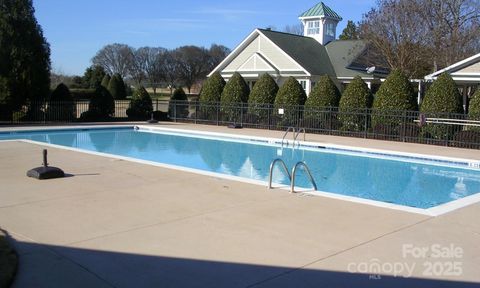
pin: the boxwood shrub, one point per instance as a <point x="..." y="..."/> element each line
<point x="234" y="95"/>
<point x="441" y="99"/>
<point x="140" y="107"/>
<point x="262" y="97"/>
<point x="355" y="101"/>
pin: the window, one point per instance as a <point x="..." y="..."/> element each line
<point x="303" y="83"/>
<point x="331" y="29"/>
<point x="313" y="28"/>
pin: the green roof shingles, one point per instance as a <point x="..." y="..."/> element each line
<point x="306" y="51"/>
<point x="321" y="10"/>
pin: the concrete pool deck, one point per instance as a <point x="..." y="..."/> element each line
<point x="115" y="223"/>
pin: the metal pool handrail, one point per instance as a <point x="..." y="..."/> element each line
<point x="300" y="130"/>
<point x="271" y="171"/>
<point x="286" y="133"/>
<point x="294" y="172"/>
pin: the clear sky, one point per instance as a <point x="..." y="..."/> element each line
<point x="76" y="30"/>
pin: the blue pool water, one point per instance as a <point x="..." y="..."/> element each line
<point x="414" y="184"/>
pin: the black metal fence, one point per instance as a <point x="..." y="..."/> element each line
<point x="445" y="129"/>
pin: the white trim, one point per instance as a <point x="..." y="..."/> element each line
<point x="255" y="56"/>
<point x="234" y="54"/>
<point x="285" y="53"/>
<point x="466" y="74"/>
<point x="466" y="62"/>
<point x="243" y="45"/>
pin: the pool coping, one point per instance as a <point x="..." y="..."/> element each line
<point x="433" y="212"/>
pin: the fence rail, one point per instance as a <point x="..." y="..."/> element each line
<point x="454" y="130"/>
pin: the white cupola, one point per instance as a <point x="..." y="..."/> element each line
<point x="320" y="22"/>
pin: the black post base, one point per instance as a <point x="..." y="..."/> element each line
<point x="48" y="172"/>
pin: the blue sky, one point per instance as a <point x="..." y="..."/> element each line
<point x="76" y="30"/>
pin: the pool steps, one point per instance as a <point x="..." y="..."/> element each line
<point x="291" y="176"/>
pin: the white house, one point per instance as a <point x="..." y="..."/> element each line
<point x="465" y="73"/>
<point x="304" y="57"/>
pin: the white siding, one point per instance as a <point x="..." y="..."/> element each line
<point x="474" y="68"/>
<point x="266" y="49"/>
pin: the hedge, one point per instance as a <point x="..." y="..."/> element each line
<point x="356" y="97"/>
<point x="262" y="96"/>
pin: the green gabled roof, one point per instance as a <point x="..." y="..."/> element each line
<point x="320" y="10"/>
<point x="306" y="51"/>
<point x="350" y="58"/>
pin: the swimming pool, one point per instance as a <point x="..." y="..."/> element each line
<point x="405" y="180"/>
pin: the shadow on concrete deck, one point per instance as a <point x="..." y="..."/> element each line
<point x="60" y="266"/>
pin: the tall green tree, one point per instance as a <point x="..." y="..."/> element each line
<point x="24" y="55"/>
<point x="350" y="32"/>
<point x="93" y="77"/>
<point x="116" y="87"/>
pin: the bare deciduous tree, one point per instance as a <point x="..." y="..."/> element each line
<point x="192" y="64"/>
<point x="416" y="35"/>
<point x="115" y="58"/>
<point x="454" y="28"/>
<point x="217" y="53"/>
<point x="296" y="29"/>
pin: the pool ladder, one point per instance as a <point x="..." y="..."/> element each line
<point x="292" y="176"/>
<point x="295" y="135"/>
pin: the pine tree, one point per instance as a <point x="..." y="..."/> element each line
<point x="24" y="56"/>
<point x="350" y="32"/>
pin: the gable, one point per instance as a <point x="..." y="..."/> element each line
<point x="257" y="63"/>
<point x="471" y="69"/>
<point x="261" y="54"/>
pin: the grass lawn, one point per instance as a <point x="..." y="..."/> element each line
<point x="8" y="262"/>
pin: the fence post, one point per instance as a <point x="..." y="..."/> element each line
<point x="196" y="112"/>
<point x="365" y="113"/>
<point x="269" y="112"/>
<point x="217" y="111"/>
<point x="174" y="110"/>
<point x="404" y="126"/>
<point x="241" y="114"/>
